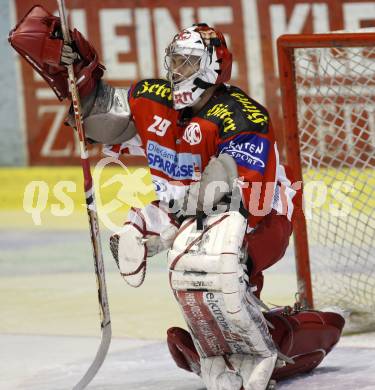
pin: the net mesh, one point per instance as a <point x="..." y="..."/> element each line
<point x="336" y="117"/>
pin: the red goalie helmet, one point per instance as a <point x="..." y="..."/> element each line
<point x="197" y="58"/>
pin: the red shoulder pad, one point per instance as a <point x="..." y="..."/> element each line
<point x="38" y="39"/>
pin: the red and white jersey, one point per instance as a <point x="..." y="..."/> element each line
<point x="231" y="122"/>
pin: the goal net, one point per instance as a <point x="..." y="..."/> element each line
<point x="328" y="91"/>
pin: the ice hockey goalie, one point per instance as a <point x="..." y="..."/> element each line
<point x="225" y="204"/>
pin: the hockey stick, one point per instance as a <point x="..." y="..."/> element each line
<point x="93" y="221"/>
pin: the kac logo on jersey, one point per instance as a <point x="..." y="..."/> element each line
<point x="193" y="134"/>
<point x="175" y="165"/>
<point x="249" y="151"/>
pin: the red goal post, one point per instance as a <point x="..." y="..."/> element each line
<point x="328" y="98"/>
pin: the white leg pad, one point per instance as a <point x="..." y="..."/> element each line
<point x="237" y="372"/>
<point x="228" y="328"/>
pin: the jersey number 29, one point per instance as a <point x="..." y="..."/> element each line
<point x="160" y="126"/>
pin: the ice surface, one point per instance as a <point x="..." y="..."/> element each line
<point x="56" y="363"/>
<point x="46" y="289"/>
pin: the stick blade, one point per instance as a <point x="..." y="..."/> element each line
<point x="99" y="358"/>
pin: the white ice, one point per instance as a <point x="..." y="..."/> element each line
<point x="40" y="362"/>
<point x="56" y="363"/>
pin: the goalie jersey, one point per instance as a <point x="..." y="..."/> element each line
<point x="178" y="145"/>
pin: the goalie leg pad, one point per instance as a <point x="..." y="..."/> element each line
<point x="224" y="319"/>
<point x="307" y="337"/>
<point x="236" y="371"/>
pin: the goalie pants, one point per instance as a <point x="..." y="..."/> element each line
<point x="267" y="245"/>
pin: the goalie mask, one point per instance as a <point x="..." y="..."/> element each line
<point x="196" y="59"/>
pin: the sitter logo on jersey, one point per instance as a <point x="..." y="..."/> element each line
<point x="249" y="151"/>
<point x="174" y="165"/>
<point x="253" y="113"/>
<point x="161" y="90"/>
<point x="222" y="112"/>
<point x="193" y="134"/>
